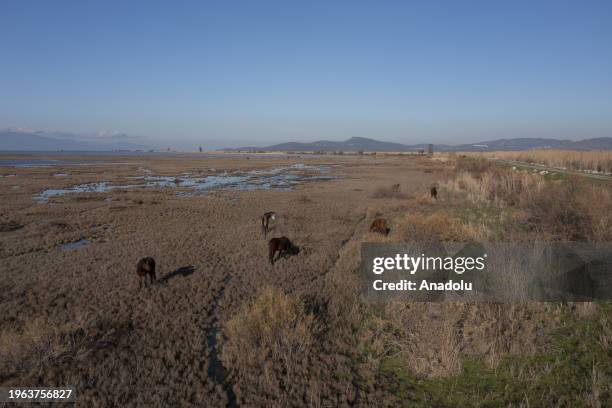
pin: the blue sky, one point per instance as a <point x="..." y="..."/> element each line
<point x="256" y="72"/>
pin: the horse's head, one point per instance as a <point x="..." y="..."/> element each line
<point x="294" y="249"/>
<point x="149" y="264"/>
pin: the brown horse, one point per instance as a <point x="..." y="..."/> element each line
<point x="434" y="192"/>
<point x="265" y="221"/>
<point x="281" y="245"/>
<point x="395" y="188"/>
<point x="380" y="225"/>
<point x="146" y="266"/>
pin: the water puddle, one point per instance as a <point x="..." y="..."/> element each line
<point x="75" y="245"/>
<point x="101" y="187"/>
<point x="283" y="178"/>
<point x="184" y="194"/>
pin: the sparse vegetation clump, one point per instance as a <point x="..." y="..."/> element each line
<point x="393" y="191"/>
<point x="304" y="199"/>
<point x="267" y="347"/>
<point x="31" y="346"/>
<point x="439" y="226"/>
<point x="41" y="344"/>
<point x="566" y="209"/>
<point x="474" y="166"/>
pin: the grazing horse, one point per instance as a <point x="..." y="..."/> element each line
<point x="281" y="245"/>
<point x="265" y="221"/>
<point x="380" y="225"/>
<point x="434" y="192"/>
<point x="146" y="266"/>
<point x="395" y="188"/>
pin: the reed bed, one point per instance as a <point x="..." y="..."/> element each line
<point x="595" y="161"/>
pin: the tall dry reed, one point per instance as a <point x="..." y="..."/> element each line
<point x="595" y="161"/>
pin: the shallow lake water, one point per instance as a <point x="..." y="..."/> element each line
<point x="278" y="178"/>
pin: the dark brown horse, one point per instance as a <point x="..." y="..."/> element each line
<point x="434" y="192"/>
<point x="265" y="221"/>
<point x="283" y="246"/>
<point x="146" y="266"/>
<point x="380" y="225"/>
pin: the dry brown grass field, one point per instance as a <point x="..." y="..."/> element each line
<point x="224" y="327"/>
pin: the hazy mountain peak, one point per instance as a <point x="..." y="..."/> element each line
<point x="16" y="139"/>
<point x="372" y="145"/>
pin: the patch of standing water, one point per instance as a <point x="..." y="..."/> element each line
<point x="75" y="245"/>
<point x="184" y="194"/>
<point x="102" y="187"/>
<point x="283" y="178"/>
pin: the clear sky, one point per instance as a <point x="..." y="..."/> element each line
<point x="229" y="73"/>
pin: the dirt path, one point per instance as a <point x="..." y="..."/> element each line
<point x="216" y="371"/>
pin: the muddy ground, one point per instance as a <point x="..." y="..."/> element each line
<point x="160" y="346"/>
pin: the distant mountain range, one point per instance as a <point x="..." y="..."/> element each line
<point x="26" y="140"/>
<point x="371" y="145"/>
